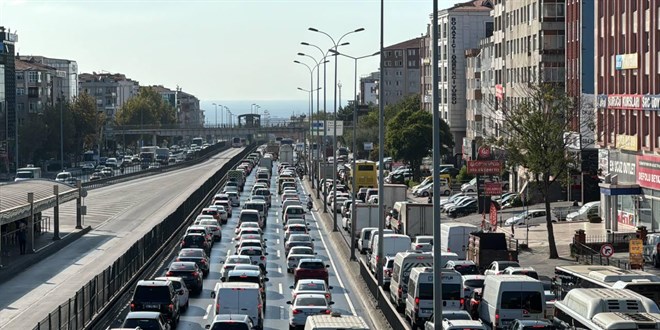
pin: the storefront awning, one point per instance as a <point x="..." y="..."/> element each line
<point x="608" y="189"/>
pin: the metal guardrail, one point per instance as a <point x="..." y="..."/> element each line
<point x="93" y="299"/>
<point x="586" y="255"/>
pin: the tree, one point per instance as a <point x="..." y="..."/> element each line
<point x="31" y="143"/>
<point x="88" y="122"/>
<point x="146" y="109"/>
<point x="534" y="138"/>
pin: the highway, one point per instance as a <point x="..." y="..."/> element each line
<point x="119" y="214"/>
<point x="278" y="292"/>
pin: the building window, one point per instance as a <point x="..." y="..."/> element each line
<point x="553" y="10"/>
<point x="398" y="53"/>
<point x="20" y="76"/>
<point x="388" y="63"/>
<point x="20" y="91"/>
<point x="388" y="53"/>
<point x="32" y="107"/>
<point x="33" y="76"/>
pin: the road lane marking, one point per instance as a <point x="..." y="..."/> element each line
<point x="208" y="311"/>
<point x="278" y="253"/>
<point x="277" y="241"/>
<point x="332" y="263"/>
<point x="277" y="220"/>
<point x="277" y="230"/>
<point x="228" y="252"/>
<point x="279" y="288"/>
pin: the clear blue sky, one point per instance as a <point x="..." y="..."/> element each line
<point x="241" y="50"/>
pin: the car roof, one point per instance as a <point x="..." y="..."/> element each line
<point x="231" y="317"/>
<point x="143" y="315"/>
<point x="153" y="283"/>
<point x="251" y="248"/>
<point x="310" y="295"/>
<point x="311" y="260"/>
<point x="245" y="272"/>
<point x="249" y="211"/>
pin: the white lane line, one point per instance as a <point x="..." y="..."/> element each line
<point x="228" y="252"/>
<point x="277" y="241"/>
<point x="279" y="269"/>
<point x="279" y="288"/>
<point x="277" y="230"/>
<point x="277" y="220"/>
<point x="278" y="253"/>
<point x="208" y="311"/>
<point x="332" y="263"/>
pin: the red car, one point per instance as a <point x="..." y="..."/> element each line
<point x="311" y="269"/>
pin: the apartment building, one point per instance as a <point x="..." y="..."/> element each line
<point x="461" y="27"/>
<point x="111" y="90"/>
<point x="627" y="88"/>
<point x="66" y="71"/>
<point x="8" y="131"/>
<point x="369" y="88"/>
<point x="401" y="75"/>
<point x="189" y="114"/>
<point x="37" y="86"/>
<point x="169" y="96"/>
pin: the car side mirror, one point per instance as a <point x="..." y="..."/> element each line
<point x="180" y="292"/>
<point x="208" y="326"/>
<point x="291" y="287"/>
<point x="316" y="253"/>
<point x="327" y="266"/>
<point x="330" y="287"/>
<point x="331" y="303"/>
<point x="265" y="240"/>
<point x="212" y="295"/>
<point x="288" y="302"/>
<point x="266" y="279"/>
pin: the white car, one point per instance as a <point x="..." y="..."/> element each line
<point x="306" y="305"/>
<point x="254" y="225"/>
<point x="311" y="287"/>
<point x="295" y="254"/>
<point x="180" y="288"/>
<point x="529" y="217"/>
<point x="213" y="225"/>
<point x="111" y="162"/>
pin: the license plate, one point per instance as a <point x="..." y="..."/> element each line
<point x="152" y="306"/>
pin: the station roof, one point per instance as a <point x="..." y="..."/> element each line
<point x="14" y="203"/>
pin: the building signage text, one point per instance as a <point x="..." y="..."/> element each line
<point x="651" y="102"/>
<point x="621" y="167"/>
<point x="626" y="61"/>
<point x="625" y="101"/>
<point x="454" y="88"/>
<point x="648" y="171"/>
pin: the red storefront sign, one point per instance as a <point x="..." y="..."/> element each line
<point x="493" y="216"/>
<point x="648" y="171"/>
<point x="493" y="188"/>
<point x="484" y="166"/>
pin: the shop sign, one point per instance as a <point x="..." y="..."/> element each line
<point x="626" y="61"/>
<point x="627" y="142"/>
<point x="624" y="101"/>
<point x="625" y="218"/>
<point x="484" y="167"/>
<point x="601" y="101"/>
<point x="648" y="171"/>
<point x="603" y="160"/>
<point x="651" y="102"/>
<point x="493" y="188"/>
<point x="623" y="165"/>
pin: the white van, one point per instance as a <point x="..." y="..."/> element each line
<point x="419" y="300"/>
<point x="506" y="298"/>
<point x="392" y="244"/>
<point x="63" y="176"/>
<point x="588" y="210"/>
<point x="335" y="321"/>
<point x="454" y="237"/>
<point x="239" y="298"/>
<point x="403" y="263"/>
<point x="364" y="238"/>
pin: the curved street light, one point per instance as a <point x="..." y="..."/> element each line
<point x="334" y="136"/>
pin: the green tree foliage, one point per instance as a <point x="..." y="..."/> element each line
<point x="408" y="136"/>
<point x="534" y="139"/>
<point x="88" y="121"/>
<point x="345" y="113"/>
<point x="463" y="175"/>
<point x="148" y="109"/>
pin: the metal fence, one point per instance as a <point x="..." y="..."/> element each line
<point x="90" y="301"/>
<point x="584" y="254"/>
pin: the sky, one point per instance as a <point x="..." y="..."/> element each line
<point x="229" y="52"/>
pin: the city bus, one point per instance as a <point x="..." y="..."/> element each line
<point x="365" y="175"/>
<point x="597" y="276"/>
<point x="236" y="142"/>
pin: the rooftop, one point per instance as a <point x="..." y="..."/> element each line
<point x="412" y="43"/>
<point x="31" y="66"/>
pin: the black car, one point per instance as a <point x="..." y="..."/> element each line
<point x="465" y="209"/>
<point x="196" y="240"/>
<point x="156" y="296"/>
<point x="189" y="272"/>
<point x="197" y="256"/>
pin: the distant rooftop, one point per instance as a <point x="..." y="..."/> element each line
<point x="31" y="66"/>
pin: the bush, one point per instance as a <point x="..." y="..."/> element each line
<point x="463" y="175"/>
<point x="411" y="183"/>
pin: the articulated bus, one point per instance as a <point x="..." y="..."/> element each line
<point x="236" y="142"/>
<point x="365" y="174"/>
<point x="596" y="276"/>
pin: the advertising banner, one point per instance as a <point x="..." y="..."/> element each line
<point x="648" y="171"/>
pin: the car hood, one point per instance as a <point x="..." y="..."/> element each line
<point x="573" y="215"/>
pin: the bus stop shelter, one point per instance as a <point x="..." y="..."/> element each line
<point x="24" y="200"/>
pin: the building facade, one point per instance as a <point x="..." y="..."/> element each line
<point x="37" y="86"/>
<point x="369" y="88"/>
<point x="111" y="91"/>
<point x="401" y="71"/>
<point x="461" y="27"/>
<point x="169" y="96"/>
<point x="8" y="134"/>
<point x="627" y="88"/>
<point x="189" y="113"/>
<point x="66" y="71"/>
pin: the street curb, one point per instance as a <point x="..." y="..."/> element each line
<point x="376" y="317"/>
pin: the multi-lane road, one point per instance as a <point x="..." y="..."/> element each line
<point x="200" y="312"/>
<point x="119" y="214"/>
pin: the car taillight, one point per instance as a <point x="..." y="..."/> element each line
<point x="132" y="306"/>
<point x="416" y="303"/>
<point x="204" y="261"/>
<point x="400" y="292"/>
<point x="194" y="274"/>
<point x="217" y="308"/>
<point x="497" y="317"/>
<point x="295" y="311"/>
<point x="327" y="295"/>
<point x="263" y="258"/>
<point x="418" y="246"/>
<point x="169" y="273"/>
<point x="170" y="307"/>
<point x="462" y="301"/>
<point x="327" y="311"/>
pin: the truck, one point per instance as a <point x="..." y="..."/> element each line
<point x="273" y="148"/>
<point x="454" y="237"/>
<point x="366" y="215"/>
<point x="27" y="173"/>
<point x="286" y="154"/>
<point x="393" y="193"/>
<point x="237" y="175"/>
<point x="651" y="249"/>
<point x="484" y="248"/>
<point x="163" y="156"/>
<point x="147" y="156"/>
<point x="267" y="163"/>
<point x="411" y="219"/>
<point x="326" y="170"/>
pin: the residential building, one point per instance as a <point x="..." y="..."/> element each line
<point x="401" y="63"/>
<point x="8" y="131"/>
<point x="369" y="88"/>
<point x="37" y="86"/>
<point x="627" y="88"/>
<point x="66" y="70"/>
<point x="111" y="90"/>
<point x="169" y="96"/>
<point x="189" y="114"/>
<point x="461" y="27"/>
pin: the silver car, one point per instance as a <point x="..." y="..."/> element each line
<point x="295" y="254"/>
<point x="231" y="263"/>
<point x="307" y="305"/>
<point x="311" y="287"/>
<point x="298" y="240"/>
<point x="256" y="254"/>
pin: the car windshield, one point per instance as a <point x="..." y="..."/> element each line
<point x="311" y="287"/>
<point x="236" y="260"/>
<point x="301" y="250"/>
<point x="311" y="301"/>
<point x="243" y="278"/>
<point x="208" y="223"/>
<point x="144" y="324"/>
<point x="194" y="239"/>
<point x="191" y="253"/>
<point x="474" y="283"/>
<point x="156" y="293"/>
<point x="295" y="210"/>
<point x="249" y="217"/>
<point x="312" y="265"/>
<point x="250" y="252"/>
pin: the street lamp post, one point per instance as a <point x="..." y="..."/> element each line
<point x="355" y="119"/>
<point x="216" y="114"/>
<point x="62" y="130"/>
<point x="334" y="135"/>
<point x="311" y="105"/>
<point x="223" y="115"/>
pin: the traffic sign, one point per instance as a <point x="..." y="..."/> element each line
<point x="607" y="250"/>
<point x="636" y="248"/>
